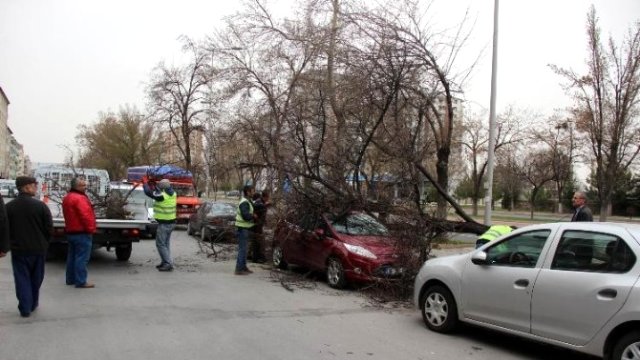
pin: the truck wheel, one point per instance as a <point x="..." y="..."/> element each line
<point x="123" y="252"/>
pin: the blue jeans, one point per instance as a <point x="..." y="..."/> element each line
<point x="243" y="238"/>
<point x="163" y="242"/>
<point x="77" y="258"/>
<point x="28" y="273"/>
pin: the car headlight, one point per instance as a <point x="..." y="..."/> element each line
<point x="359" y="250"/>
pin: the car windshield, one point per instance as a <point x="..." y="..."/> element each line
<point x="184" y="189"/>
<point x="221" y="209"/>
<point x="359" y="224"/>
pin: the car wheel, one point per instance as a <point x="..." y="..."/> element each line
<point x="335" y="273"/>
<point x="123" y="252"/>
<point x="278" y="257"/>
<point x="204" y="234"/>
<point x="189" y="228"/>
<point x="439" y="310"/>
<point x="628" y="347"/>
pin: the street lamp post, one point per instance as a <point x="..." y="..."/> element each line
<point x="488" y="200"/>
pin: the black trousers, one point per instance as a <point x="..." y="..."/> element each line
<point x="28" y="274"/>
<point x="256" y="247"/>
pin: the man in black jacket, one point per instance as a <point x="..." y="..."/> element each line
<point x="582" y="211"/>
<point x="30" y="229"/>
<point x="4" y="230"/>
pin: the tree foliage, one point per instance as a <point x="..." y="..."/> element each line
<point x="117" y="141"/>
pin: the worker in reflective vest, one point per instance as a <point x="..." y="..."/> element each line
<point x="245" y="220"/>
<point x="164" y="211"/>
<point x="494" y="232"/>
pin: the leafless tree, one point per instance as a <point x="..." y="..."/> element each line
<point x="606" y="105"/>
<point x="177" y="98"/>
<point x="475" y="141"/>
<point x="535" y="170"/>
<point x="560" y="140"/>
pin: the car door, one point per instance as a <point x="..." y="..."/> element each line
<point x="587" y="281"/>
<point x="308" y="244"/>
<point x="498" y="292"/>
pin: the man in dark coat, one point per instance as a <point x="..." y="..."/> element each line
<point x="4" y="230"/>
<point x="261" y="204"/>
<point x="30" y="230"/>
<point x="582" y="211"/>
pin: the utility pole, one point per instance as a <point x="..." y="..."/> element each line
<point x="488" y="200"/>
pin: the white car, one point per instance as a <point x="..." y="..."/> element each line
<point x="574" y="285"/>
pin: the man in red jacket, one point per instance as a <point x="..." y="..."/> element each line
<point x="79" y="225"/>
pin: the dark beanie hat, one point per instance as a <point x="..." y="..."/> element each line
<point x="25" y="180"/>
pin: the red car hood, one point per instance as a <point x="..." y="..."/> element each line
<point x="379" y="245"/>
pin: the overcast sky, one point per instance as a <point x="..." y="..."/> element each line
<point x="64" y="61"/>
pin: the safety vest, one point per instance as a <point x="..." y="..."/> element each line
<point x="241" y="222"/>
<point x="495" y="231"/>
<point x="165" y="209"/>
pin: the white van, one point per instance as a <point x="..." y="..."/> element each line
<point x="54" y="182"/>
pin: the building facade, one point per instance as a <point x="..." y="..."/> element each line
<point x="13" y="161"/>
<point x="5" y="139"/>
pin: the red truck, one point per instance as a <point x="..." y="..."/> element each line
<point x="181" y="181"/>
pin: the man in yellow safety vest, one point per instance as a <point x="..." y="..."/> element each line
<point x="164" y="211"/>
<point x="245" y="220"/>
<point x="494" y="232"/>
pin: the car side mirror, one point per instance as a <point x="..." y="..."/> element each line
<point x="479" y="258"/>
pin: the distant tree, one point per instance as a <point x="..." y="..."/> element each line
<point x="475" y="141"/>
<point x="607" y="107"/>
<point x="559" y="138"/>
<point x="509" y="182"/>
<point x="535" y="170"/>
<point x="117" y="141"/>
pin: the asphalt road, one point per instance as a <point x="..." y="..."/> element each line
<point x="203" y="311"/>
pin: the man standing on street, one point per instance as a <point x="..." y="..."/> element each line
<point x="30" y="229"/>
<point x="79" y="226"/>
<point x="4" y="230"/>
<point x="582" y="211"/>
<point x="260" y="207"/>
<point x="164" y="211"/>
<point x="245" y="220"/>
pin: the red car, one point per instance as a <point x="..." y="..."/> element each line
<point x="350" y="248"/>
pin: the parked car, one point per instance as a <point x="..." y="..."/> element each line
<point x="233" y="193"/>
<point x="213" y="220"/>
<point x="575" y="285"/>
<point x="350" y="248"/>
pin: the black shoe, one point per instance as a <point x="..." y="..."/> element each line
<point x="159" y="265"/>
<point x="165" y="267"/>
<point x="25" y="315"/>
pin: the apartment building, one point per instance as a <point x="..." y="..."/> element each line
<point x="13" y="161"/>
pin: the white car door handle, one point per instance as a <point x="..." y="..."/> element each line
<point x="522" y="283"/>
